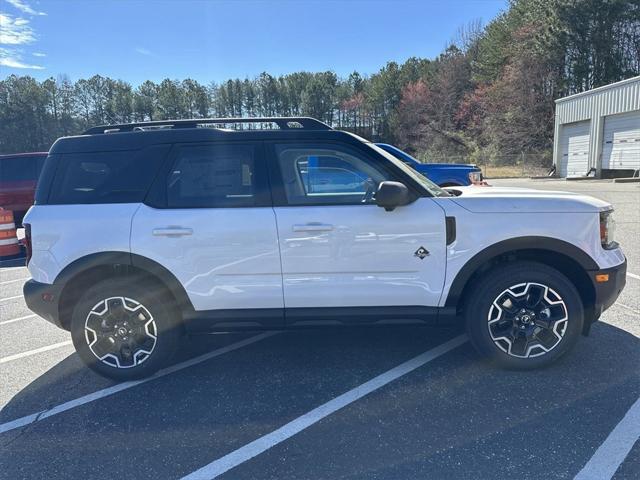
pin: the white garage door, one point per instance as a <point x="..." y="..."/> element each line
<point x="574" y="149"/>
<point x="621" y="148"/>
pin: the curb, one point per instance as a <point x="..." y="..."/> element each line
<point x="627" y="180"/>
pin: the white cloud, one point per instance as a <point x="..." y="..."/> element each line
<point x="143" y="51"/>
<point x="14" y="63"/>
<point x="11" y="59"/>
<point x="24" y="7"/>
<point x="15" y="31"/>
<point x="39" y="54"/>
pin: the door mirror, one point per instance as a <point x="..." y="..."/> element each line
<point x="391" y="195"/>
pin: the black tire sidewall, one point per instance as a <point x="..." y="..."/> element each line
<point x="489" y="286"/>
<point x="151" y="296"/>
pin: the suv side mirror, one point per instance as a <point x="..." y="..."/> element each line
<point x="391" y="195"/>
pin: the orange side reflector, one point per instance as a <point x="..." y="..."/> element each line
<point x="603" y="277"/>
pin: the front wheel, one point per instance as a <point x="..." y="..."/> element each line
<point x="524" y="315"/>
<point x="123" y="328"/>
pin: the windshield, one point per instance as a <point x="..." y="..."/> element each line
<point x="431" y="187"/>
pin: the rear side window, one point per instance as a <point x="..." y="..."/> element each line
<point x="105" y="177"/>
<point x="18" y="169"/>
<point x="210" y="176"/>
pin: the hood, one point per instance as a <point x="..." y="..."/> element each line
<point x="449" y="166"/>
<point x="513" y="200"/>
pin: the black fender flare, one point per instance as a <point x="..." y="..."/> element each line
<point x="121" y="263"/>
<point x="529" y="243"/>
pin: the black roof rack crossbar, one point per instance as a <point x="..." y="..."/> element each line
<point x="284" y="123"/>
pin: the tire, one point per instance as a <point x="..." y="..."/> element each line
<point x="123" y="328"/>
<point x="504" y="325"/>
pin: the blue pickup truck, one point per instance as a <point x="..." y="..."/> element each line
<point x="444" y="174"/>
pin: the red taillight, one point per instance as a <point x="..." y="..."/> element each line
<point x="27" y="241"/>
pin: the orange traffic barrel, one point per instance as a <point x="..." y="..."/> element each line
<point x="9" y="246"/>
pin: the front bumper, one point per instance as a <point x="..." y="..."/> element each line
<point x="607" y="292"/>
<point x="43" y="299"/>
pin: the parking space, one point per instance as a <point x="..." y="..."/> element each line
<point x="380" y="403"/>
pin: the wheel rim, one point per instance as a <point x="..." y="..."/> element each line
<point x="120" y="332"/>
<point x="528" y="320"/>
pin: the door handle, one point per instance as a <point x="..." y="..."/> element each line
<point x="172" y="232"/>
<point x="313" y="227"/>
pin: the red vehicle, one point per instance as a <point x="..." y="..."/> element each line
<point x="18" y="177"/>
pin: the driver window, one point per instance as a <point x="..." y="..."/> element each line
<point x="322" y="175"/>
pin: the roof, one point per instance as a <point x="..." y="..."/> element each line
<point x="283" y="123"/>
<point x="27" y="154"/>
<point x="600" y="89"/>
<point x="134" y="136"/>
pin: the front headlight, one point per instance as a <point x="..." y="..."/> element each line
<point x="607" y="230"/>
<point x="475" y="177"/>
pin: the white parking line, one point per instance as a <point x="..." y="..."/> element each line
<point x="610" y="455"/>
<point x="34" y="352"/>
<point x="633" y="275"/>
<point x="10" y="298"/>
<point x="627" y="307"/>
<point x="15" y="281"/>
<point x="250" y="450"/>
<point x="105" y="392"/>
<point x="5" y="322"/>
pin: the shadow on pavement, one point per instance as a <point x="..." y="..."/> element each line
<point x="459" y="418"/>
<point x="449" y="418"/>
<point x="13" y="262"/>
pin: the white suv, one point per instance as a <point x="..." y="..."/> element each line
<point x="144" y="232"/>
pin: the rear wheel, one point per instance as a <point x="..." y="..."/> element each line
<point x="524" y="315"/>
<point x="123" y="328"/>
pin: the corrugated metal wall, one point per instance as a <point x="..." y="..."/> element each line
<point x="595" y="104"/>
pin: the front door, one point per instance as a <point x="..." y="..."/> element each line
<point x="338" y="248"/>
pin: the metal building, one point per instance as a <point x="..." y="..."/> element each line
<point x="598" y="131"/>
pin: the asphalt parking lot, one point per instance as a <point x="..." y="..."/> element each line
<point x="381" y="403"/>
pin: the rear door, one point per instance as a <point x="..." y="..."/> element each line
<point x="210" y="222"/>
<point x="338" y="248"/>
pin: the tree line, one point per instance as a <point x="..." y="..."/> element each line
<point x="489" y="94"/>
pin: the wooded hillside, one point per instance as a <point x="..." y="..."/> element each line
<point x="490" y="94"/>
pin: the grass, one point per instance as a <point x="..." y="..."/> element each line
<point x="506" y="171"/>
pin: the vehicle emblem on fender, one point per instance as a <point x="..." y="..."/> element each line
<point x="421" y="253"/>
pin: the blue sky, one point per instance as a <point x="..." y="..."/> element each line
<point x="136" y="40"/>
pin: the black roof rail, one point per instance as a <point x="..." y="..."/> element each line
<point x="284" y="123"/>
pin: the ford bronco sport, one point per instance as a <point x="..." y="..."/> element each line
<point x="141" y="233"/>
